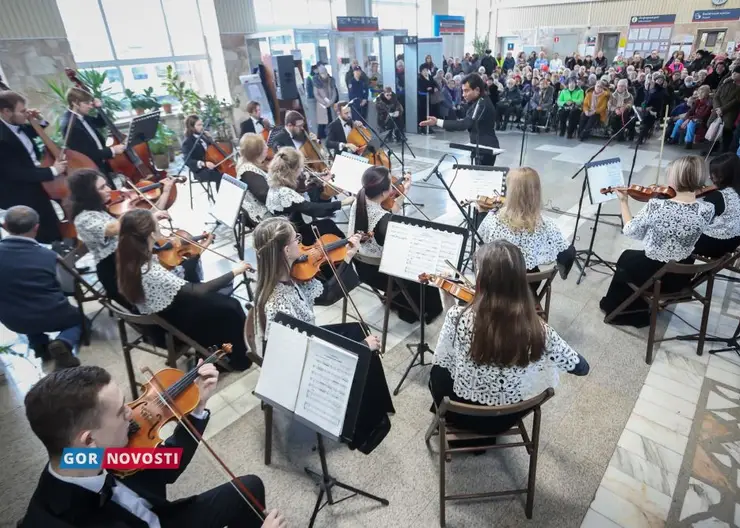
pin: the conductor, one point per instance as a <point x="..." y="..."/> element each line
<point x="479" y="120"/>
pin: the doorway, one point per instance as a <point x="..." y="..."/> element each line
<point x="712" y="40"/>
<point x="609" y="44"/>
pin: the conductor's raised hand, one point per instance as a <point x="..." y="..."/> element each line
<point x="429" y="121"/>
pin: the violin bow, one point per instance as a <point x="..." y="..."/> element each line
<point x="405" y="196"/>
<point x="237" y="484"/>
<point x="313" y="174"/>
<point x="339" y="281"/>
<point x="460" y="274"/>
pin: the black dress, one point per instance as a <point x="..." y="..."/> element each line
<point x="722" y="236"/>
<point x="284" y="201"/>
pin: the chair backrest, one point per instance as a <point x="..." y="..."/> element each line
<point x="547" y="276"/>
<point x="67" y="265"/>
<point x="374" y="261"/>
<point x="700" y="272"/>
<point x="495" y="410"/>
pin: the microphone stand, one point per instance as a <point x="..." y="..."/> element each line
<point x="404" y="142"/>
<point x="524" y="135"/>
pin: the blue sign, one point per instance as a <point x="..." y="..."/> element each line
<point x="449" y="25"/>
<point x="714" y="15"/>
<point x="509" y="46"/>
<point x="652" y="20"/>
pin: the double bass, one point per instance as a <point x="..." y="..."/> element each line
<point x="136" y="163"/>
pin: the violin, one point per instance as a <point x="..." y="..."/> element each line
<point x="137" y="162"/>
<point x="454" y="287"/>
<point x="312" y="257"/>
<point x="644" y="193"/>
<point x="221" y="155"/>
<point x="486" y="204"/>
<point x="705" y="190"/>
<point x="172" y="250"/>
<point x="150" y="414"/>
<point x="360" y="136"/>
<point x="396" y="182"/>
<point x="125" y="200"/>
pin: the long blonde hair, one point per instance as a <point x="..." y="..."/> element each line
<point x="270" y="238"/>
<point x="284" y="168"/>
<point x="523" y="198"/>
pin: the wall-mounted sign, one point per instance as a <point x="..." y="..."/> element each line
<point x="590" y="41"/>
<point x="716" y="15"/>
<point x="652" y="20"/>
<point x="648" y="33"/>
<point x="449" y="25"/>
<point x="509" y="46"/>
<point x="357" y="23"/>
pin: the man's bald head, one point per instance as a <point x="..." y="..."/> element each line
<point x="21" y="220"/>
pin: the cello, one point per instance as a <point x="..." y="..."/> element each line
<point x="360" y="136"/>
<point x="216" y="154"/>
<point x="136" y="163"/>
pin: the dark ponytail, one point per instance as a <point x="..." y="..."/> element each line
<point x="375" y="181"/>
<point x="133" y="252"/>
<point x="725" y="171"/>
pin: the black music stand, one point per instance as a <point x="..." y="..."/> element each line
<point x="422" y="227"/>
<point x="143" y="128"/>
<point x="326" y="481"/>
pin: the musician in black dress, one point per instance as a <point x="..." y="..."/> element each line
<point x="723" y="234"/>
<point x="255" y="123"/>
<point x="670" y="229"/>
<point x="277" y="245"/>
<point x="197" y="310"/>
<point x="479" y="120"/>
<point x="197" y="141"/>
<point x="84" y="136"/>
<point x="368" y="216"/>
<point x="21" y="175"/>
<point x="339" y="129"/>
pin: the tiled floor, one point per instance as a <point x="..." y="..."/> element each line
<point x="629" y="445"/>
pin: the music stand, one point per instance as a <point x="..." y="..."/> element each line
<point x="143" y="128"/>
<point x="413" y="247"/>
<point x="319" y="378"/>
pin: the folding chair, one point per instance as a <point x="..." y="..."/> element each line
<point x="544" y="290"/>
<point x="206" y="186"/>
<point x="447" y="433"/>
<point x="657" y="299"/>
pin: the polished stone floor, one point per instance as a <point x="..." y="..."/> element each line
<point x="629" y="445"/>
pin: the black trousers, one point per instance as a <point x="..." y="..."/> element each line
<point x="710" y="247"/>
<point x="218" y="507"/>
<point x="388" y="125"/>
<point x="648" y="121"/>
<point x="586" y="125"/>
<point x="569" y="117"/>
<point x="209" y="175"/>
<point x="537" y="117"/>
<point x="616" y="122"/>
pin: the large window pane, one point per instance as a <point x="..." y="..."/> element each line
<point x="85" y="29"/>
<point x="185" y="28"/>
<point x="396" y="16"/>
<point x="137" y="28"/>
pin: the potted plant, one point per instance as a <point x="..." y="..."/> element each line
<point x="143" y="101"/>
<point x="167" y="107"/>
<point x="161" y="146"/>
<point x="190" y="102"/>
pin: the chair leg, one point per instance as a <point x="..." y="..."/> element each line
<point x="442" y="462"/>
<point x="533" y="463"/>
<point x="705" y="316"/>
<point x="433" y="428"/>
<point x="653" y="323"/>
<point x="268" y="434"/>
<point x="190" y="188"/>
<point x="171" y="352"/>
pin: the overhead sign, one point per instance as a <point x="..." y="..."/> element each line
<point x="449" y="25"/>
<point x="357" y="23"/>
<point x="403" y="39"/>
<point x="716" y="15"/>
<point x="652" y="20"/>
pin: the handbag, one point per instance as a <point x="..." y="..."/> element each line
<point x="714" y="130"/>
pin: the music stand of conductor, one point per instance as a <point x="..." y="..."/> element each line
<point x="479" y="120"/>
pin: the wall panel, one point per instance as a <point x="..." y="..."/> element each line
<point x="22" y="19"/>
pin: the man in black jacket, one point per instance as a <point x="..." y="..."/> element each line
<point x="479" y="121"/>
<point x="293" y="134"/>
<point x="339" y="129"/>
<point x="488" y="62"/>
<point x="83" y="407"/>
<point x="31" y="300"/>
<point x="21" y="175"/>
<point x="84" y="136"/>
<point x="255" y="123"/>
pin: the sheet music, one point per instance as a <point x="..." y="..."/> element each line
<point x="282" y="366"/>
<point x="601" y="174"/>
<point x="348" y="170"/>
<point x="228" y="201"/>
<point x="469" y="184"/>
<point x="411" y="250"/>
<point x="328" y="374"/>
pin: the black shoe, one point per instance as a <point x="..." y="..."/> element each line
<point x="569" y="258"/>
<point x="562" y="134"/>
<point x="570" y="136"/>
<point x="62" y="355"/>
<point x="42" y="352"/>
<point x="689" y="145"/>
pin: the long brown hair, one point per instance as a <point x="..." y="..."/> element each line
<point x="269" y="240"/>
<point x="507" y="331"/>
<point x="190" y="124"/>
<point x="133" y="252"/>
<point x="375" y="181"/>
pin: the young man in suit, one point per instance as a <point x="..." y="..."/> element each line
<point x="194" y="147"/>
<point x="84" y="136"/>
<point x="339" y="129"/>
<point x="31" y="300"/>
<point x="83" y="407"/>
<point x="20" y="173"/>
<point x="255" y="123"/>
<point x="479" y="121"/>
<point x="293" y="134"/>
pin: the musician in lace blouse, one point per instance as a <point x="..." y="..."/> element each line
<point x="98" y="230"/>
<point x="253" y="150"/>
<point x="284" y="198"/>
<point x="497" y="350"/>
<point x="520" y="221"/>
<point x="669" y="229"/>
<point x="197" y="310"/>
<point x="367" y="215"/>
<point x="722" y="236"/>
<point x="277" y="245"/>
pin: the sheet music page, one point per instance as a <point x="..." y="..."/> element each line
<point x="470" y="184"/>
<point x="326" y="385"/>
<point x="282" y="367"/>
<point x="228" y="201"/>
<point x="602" y="175"/>
<point x="348" y="171"/>
<point x="411" y="250"/>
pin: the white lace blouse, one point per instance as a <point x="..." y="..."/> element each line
<point x="256" y="210"/>
<point x="375" y="214"/>
<point x="491" y="385"/>
<point x="669" y="228"/>
<point x="726" y="225"/>
<point x="281" y="198"/>
<point x="294" y="299"/>
<point x="538" y="247"/>
<point x="160" y="287"/>
<point x="90" y="226"/>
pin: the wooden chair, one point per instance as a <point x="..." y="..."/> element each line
<point x="447" y="433"/>
<point x="544" y="290"/>
<point x="249" y="338"/>
<point x="652" y="293"/>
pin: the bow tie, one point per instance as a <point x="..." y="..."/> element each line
<point x="107" y="490"/>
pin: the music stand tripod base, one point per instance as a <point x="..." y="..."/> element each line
<point x="326" y="482"/>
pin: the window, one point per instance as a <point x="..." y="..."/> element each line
<point x="396" y="15"/>
<point x="85" y="29"/>
<point x="137" y="28"/>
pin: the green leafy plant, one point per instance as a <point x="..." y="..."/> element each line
<point x="480" y="45"/>
<point x="95" y="80"/>
<point x="164" y="139"/>
<point x="55" y="97"/>
<point x="144" y="101"/>
<point x="190" y="102"/>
